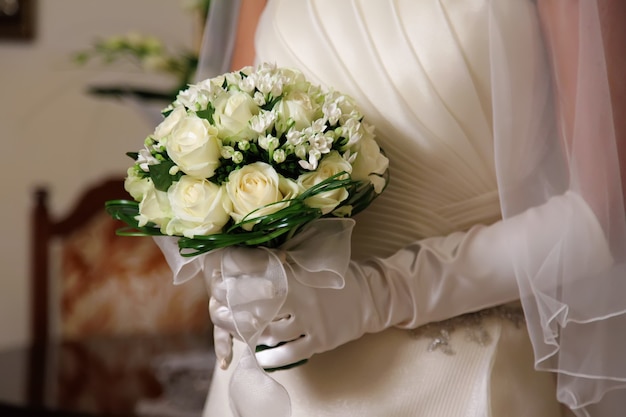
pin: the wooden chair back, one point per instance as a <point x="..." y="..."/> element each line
<point x="108" y="283"/>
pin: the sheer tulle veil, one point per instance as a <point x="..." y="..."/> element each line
<point x="560" y="138"/>
<point x="547" y="144"/>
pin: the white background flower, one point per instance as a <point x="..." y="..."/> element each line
<point x="331" y="165"/>
<point x="155" y="208"/>
<point x="233" y="111"/>
<point x="194" y="147"/>
<point x="165" y="127"/>
<point x="256" y="186"/>
<point x="135" y="185"/>
<point x="198" y="206"/>
<point x="369" y="162"/>
<point x="296" y="106"/>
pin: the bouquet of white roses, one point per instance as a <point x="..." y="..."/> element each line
<point x="248" y="158"/>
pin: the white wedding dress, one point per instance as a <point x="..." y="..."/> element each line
<point x="420" y="71"/>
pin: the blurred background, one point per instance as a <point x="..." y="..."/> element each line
<point x="56" y="134"/>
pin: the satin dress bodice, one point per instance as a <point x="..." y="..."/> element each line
<point x="420" y="72"/>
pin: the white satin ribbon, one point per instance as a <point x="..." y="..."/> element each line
<point x="256" y="288"/>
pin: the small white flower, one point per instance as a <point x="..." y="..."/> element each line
<point x="350" y="156"/>
<point x="263" y="83"/>
<point x="145" y="158"/>
<point x="259" y="99"/>
<point x="306" y="165"/>
<point x="170" y="107"/>
<point x="174" y="170"/>
<point x="243" y="145"/>
<point x="352" y="131"/>
<point x="301" y="151"/>
<point x="263" y="121"/>
<point x="332" y="111"/>
<point x="295" y="137"/>
<point x="247" y="84"/>
<point x="273" y="143"/>
<point x="319" y="125"/>
<point x="188" y="97"/>
<point x="227" y="152"/>
<point x="311" y="164"/>
<point x="212" y="85"/>
<point x="270" y="83"/>
<point x="279" y="156"/>
<point x="233" y="78"/>
<point x="321" y="143"/>
<point x="288" y="148"/>
<point x="202" y="99"/>
<point x="265" y="142"/>
<point x="237" y="157"/>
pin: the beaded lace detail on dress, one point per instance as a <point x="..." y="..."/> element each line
<point x="441" y="332"/>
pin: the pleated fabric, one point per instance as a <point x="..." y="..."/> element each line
<point x="420" y="72"/>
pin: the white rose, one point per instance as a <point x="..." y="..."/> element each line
<point x="297" y="106"/>
<point x="199" y="207"/>
<point x="194" y="147"/>
<point x="369" y="162"/>
<point x="233" y="111"/>
<point x="164" y="128"/>
<point x="331" y="165"/>
<point x="155" y="208"/>
<point x="136" y="185"/>
<point x="296" y="80"/>
<point x="256" y="187"/>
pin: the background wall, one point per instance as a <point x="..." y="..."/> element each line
<point x="52" y="133"/>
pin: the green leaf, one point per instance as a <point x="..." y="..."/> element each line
<point x="160" y="175"/>
<point x="207" y="114"/>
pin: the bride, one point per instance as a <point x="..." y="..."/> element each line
<point x="497" y="251"/>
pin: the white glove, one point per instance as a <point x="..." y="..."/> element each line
<point x="430" y="280"/>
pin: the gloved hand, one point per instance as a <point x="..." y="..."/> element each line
<point x="430" y="280"/>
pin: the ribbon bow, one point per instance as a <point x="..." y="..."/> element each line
<point x="256" y="286"/>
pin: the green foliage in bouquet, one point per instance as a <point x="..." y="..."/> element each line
<point x="249" y="158"/>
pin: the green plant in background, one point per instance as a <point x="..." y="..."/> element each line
<point x="150" y="55"/>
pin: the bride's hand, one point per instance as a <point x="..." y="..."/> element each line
<point x="312" y="320"/>
<point x="315" y="320"/>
